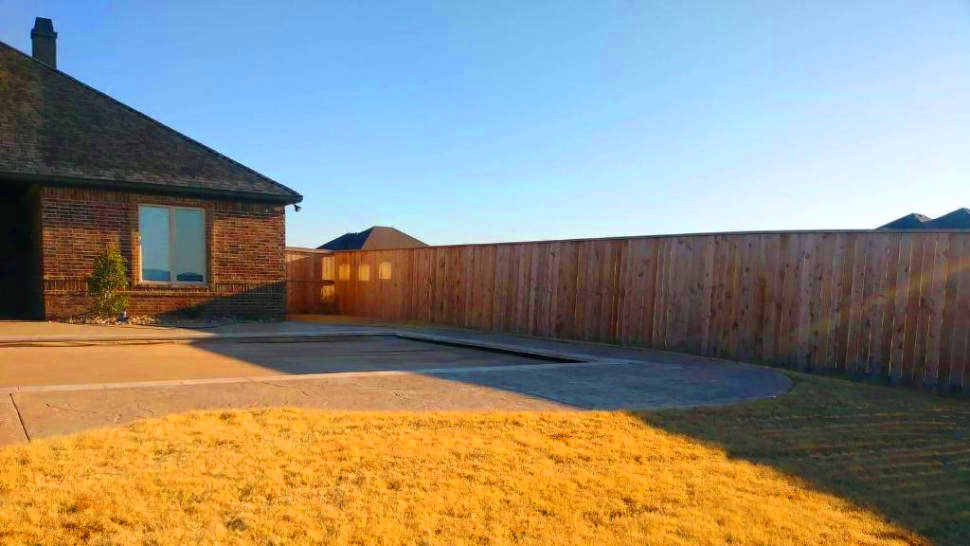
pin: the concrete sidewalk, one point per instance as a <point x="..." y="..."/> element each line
<point x="11" y="429"/>
<point x="128" y="362"/>
<point x="49" y="411"/>
<point x="31" y="332"/>
<point x="114" y="375"/>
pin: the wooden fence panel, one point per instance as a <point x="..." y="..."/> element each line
<point x="634" y="283"/>
<point x="770" y="258"/>
<point x="959" y="345"/>
<point x="893" y="303"/>
<point x="719" y="298"/>
<point x="307" y="291"/>
<point x="842" y="298"/>
<point x="503" y="288"/>
<point x="934" y="306"/>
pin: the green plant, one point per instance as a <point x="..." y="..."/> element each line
<point x="108" y="282"/>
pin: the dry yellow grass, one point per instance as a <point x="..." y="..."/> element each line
<point x="295" y="476"/>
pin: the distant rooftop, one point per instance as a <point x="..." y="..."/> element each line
<point x="958" y="219"/>
<point x="374" y="238"/>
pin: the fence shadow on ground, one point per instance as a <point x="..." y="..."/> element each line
<point x="899" y="452"/>
<point x="902" y="453"/>
<point x="896" y="451"/>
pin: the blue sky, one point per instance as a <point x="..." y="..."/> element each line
<point x="500" y="121"/>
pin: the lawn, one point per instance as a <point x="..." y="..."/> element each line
<point x="832" y="462"/>
<point x="902" y="453"/>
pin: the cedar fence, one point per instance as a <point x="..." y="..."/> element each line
<point x="306" y="289"/>
<point x="894" y="303"/>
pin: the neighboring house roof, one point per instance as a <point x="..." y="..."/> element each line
<point x="910" y="221"/>
<point x="375" y="238"/>
<point x="55" y="129"/>
<point x="958" y="219"/>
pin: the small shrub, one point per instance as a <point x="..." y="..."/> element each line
<point x="108" y="283"/>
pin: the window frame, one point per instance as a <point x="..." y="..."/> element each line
<point x="171" y="247"/>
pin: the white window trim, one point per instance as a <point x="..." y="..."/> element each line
<point x="171" y="247"/>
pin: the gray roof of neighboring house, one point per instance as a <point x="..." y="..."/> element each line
<point x="55" y="129"/>
<point x="958" y="219"/>
<point x="374" y="238"/>
<point x="912" y="220"/>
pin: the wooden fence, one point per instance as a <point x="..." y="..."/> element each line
<point x="306" y="289"/>
<point x="890" y="303"/>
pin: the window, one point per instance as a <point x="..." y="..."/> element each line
<point x="326" y="271"/>
<point x="363" y="273"/>
<point x="172" y="244"/>
<point x="384" y="271"/>
<point x="344" y="272"/>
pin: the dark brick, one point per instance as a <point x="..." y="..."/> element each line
<point x="246" y="269"/>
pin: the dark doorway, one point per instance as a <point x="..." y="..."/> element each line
<point x="20" y="274"/>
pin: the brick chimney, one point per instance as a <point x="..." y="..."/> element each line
<point x="44" y="41"/>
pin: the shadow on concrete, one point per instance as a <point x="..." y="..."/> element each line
<point x="581" y="378"/>
<point x="902" y="453"/>
<point x="627" y="385"/>
<point x="359" y="354"/>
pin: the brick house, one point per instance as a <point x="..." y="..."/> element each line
<point x="79" y="171"/>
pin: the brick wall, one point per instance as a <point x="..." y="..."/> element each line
<point x="246" y="269"/>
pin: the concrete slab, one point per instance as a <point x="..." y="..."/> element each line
<point x="52" y="413"/>
<point x="11" y="431"/>
<point x="16" y="332"/>
<point x="638" y="385"/>
<point x="92" y="363"/>
<point x="349" y="367"/>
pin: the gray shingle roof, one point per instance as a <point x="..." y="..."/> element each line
<point x="374" y="238"/>
<point x="53" y="128"/>
<point x="958" y="219"/>
<point x="912" y="220"/>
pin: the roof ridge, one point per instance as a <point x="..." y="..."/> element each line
<point x="153" y="120"/>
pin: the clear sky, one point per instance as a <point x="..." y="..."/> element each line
<point x="499" y="121"/>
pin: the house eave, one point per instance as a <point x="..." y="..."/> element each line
<point x="148" y="187"/>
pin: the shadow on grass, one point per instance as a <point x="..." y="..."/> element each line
<point x="896" y="451"/>
<point x="905" y="454"/>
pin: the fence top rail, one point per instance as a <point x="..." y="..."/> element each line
<point x="308" y="250"/>
<point x="667" y="236"/>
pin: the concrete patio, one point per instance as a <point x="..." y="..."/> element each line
<point x="61" y="378"/>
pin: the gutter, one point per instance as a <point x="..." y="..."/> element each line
<point x="150" y="187"/>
